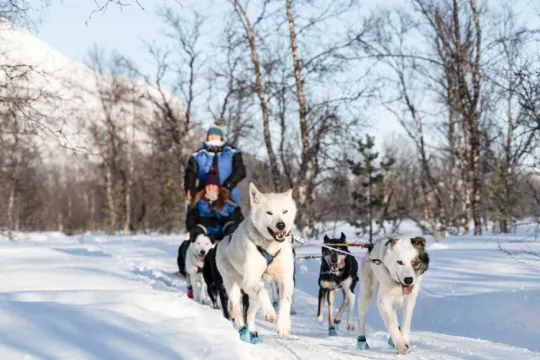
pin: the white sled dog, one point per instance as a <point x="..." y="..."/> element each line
<point x="257" y="252"/>
<point x="395" y="270"/>
<point x="195" y="254"/>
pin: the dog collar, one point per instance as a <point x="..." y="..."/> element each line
<point x="269" y="257"/>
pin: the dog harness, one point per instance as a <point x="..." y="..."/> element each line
<point x="370" y="247"/>
<point x="269" y="257"/>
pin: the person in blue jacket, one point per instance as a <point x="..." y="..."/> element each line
<point x="212" y="212"/>
<point x="217" y="153"/>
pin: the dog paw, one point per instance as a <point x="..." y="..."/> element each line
<point x="332" y="332"/>
<point x="402" y="348"/>
<point x="284" y="326"/>
<point x="255" y="339"/>
<point x="206" y="301"/>
<point x="244" y="334"/>
<point x="350" y="327"/>
<point x="293" y="311"/>
<point x="284" y="332"/>
<point x="320" y="319"/>
<point x="270" y="315"/>
<point x="361" y="343"/>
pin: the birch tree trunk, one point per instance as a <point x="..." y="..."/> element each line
<point x="469" y="104"/>
<point x="250" y="34"/>
<point x="306" y="159"/>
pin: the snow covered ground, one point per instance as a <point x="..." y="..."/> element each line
<point x="99" y="297"/>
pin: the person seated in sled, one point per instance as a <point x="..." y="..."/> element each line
<point x="216" y="153"/>
<point x="213" y="213"/>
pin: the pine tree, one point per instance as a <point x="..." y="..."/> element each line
<point x="371" y="198"/>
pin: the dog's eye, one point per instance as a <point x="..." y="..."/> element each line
<point x="415" y="263"/>
<point x="400" y="262"/>
<point x="285" y="211"/>
<point x="269" y="213"/>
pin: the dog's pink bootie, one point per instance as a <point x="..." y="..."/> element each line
<point x="190" y="293"/>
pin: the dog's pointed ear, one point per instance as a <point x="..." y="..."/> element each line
<point x="418" y="242"/>
<point x="255" y="195"/>
<point x="342" y="238"/>
<point x="326" y="238"/>
<point x="391" y="242"/>
<point x="289" y="193"/>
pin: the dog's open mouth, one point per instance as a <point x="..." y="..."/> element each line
<point x="278" y="235"/>
<point x="201" y="257"/>
<point x="337" y="267"/>
<point x="407" y="289"/>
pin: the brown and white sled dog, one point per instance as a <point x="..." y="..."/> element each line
<point x="395" y="270"/>
<point x="259" y="252"/>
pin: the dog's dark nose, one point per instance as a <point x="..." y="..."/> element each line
<point x="204" y="252"/>
<point x="333" y="258"/>
<point x="280" y="225"/>
<point x="408" y="280"/>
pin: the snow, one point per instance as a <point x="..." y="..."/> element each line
<point x="98" y="297"/>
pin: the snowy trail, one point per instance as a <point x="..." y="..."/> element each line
<point x="116" y="298"/>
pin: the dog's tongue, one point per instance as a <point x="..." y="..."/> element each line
<point x="280" y="235"/>
<point x="201" y="258"/>
<point x="407" y="290"/>
<point x="341" y="264"/>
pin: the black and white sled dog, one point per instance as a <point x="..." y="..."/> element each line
<point x="216" y="289"/>
<point x="259" y="251"/>
<point x="338" y="271"/>
<point x="190" y="260"/>
<point x="395" y="270"/>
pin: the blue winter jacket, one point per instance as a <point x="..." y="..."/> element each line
<point x="216" y="223"/>
<point x="230" y="167"/>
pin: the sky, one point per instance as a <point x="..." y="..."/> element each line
<point x="68" y="27"/>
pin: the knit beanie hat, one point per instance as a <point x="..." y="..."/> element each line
<point x="216" y="129"/>
<point x="212" y="178"/>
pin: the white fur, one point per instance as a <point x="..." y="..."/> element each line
<point x="244" y="268"/>
<point x="384" y="279"/>
<point x="197" y="249"/>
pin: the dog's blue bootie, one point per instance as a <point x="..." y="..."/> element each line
<point x="244" y="334"/>
<point x="255" y="339"/>
<point x="336" y="324"/>
<point x="332" y="332"/>
<point x="361" y="343"/>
